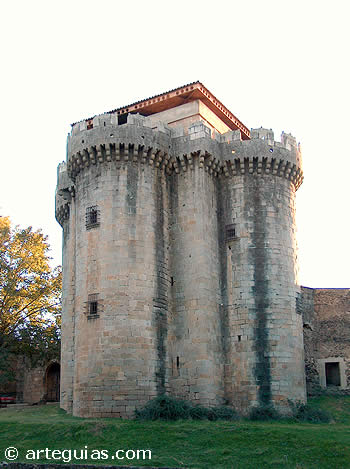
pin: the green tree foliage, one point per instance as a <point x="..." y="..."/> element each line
<point x="30" y="295"/>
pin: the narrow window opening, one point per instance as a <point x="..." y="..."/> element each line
<point x="93" y="305"/>
<point x="230" y="232"/>
<point x="92" y="217"/>
<point x="177" y="362"/>
<point x="90" y="124"/>
<point x="332" y="374"/>
<point x="172" y="281"/>
<point x="239" y="338"/>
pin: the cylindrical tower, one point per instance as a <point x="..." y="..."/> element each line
<point x="195" y="329"/>
<point x="114" y="329"/>
<point x="266" y="348"/>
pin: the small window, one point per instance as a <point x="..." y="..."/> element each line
<point x="92" y="217"/>
<point x="230" y="232"/>
<point x="93" y="305"/>
<point x="90" y="124"/>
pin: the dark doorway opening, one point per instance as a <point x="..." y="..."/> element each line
<point x="53" y="382"/>
<point x="332" y="374"/>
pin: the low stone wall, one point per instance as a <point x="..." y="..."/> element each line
<point x="29" y="382"/>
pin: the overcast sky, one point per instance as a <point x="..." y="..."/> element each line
<point x="278" y="64"/>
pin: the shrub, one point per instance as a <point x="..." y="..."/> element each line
<point x="199" y="413"/>
<point x="264" y="412"/>
<point x="168" y="408"/>
<point x="164" y="408"/>
<point x="223" y="413"/>
<point x="306" y="413"/>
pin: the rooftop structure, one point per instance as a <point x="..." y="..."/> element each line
<point x="195" y="91"/>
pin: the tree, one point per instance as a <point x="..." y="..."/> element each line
<point x="30" y="294"/>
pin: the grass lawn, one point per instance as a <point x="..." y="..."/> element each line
<point x="192" y="444"/>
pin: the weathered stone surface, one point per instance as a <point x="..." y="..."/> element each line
<point x="193" y="261"/>
<point x="326" y="318"/>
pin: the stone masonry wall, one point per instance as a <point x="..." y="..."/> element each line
<point x="180" y="309"/>
<point x="120" y="353"/>
<point x="29" y="384"/>
<point x="326" y="314"/>
<point x="266" y="344"/>
<point x="195" y="342"/>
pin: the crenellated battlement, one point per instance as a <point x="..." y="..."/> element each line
<point x="101" y="125"/>
<point x="170" y="151"/>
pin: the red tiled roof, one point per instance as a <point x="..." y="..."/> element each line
<point x="182" y="95"/>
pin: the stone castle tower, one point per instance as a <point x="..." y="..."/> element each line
<point x="179" y="259"/>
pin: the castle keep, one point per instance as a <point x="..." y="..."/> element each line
<point x="179" y="259"/>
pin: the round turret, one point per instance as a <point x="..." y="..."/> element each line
<point x="265" y="348"/>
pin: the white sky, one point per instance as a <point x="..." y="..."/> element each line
<point x="278" y="64"/>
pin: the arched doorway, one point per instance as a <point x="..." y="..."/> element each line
<point x="53" y="382"/>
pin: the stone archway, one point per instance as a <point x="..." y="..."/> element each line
<point x="52" y="382"/>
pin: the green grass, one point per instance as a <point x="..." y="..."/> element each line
<point x="192" y="444"/>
